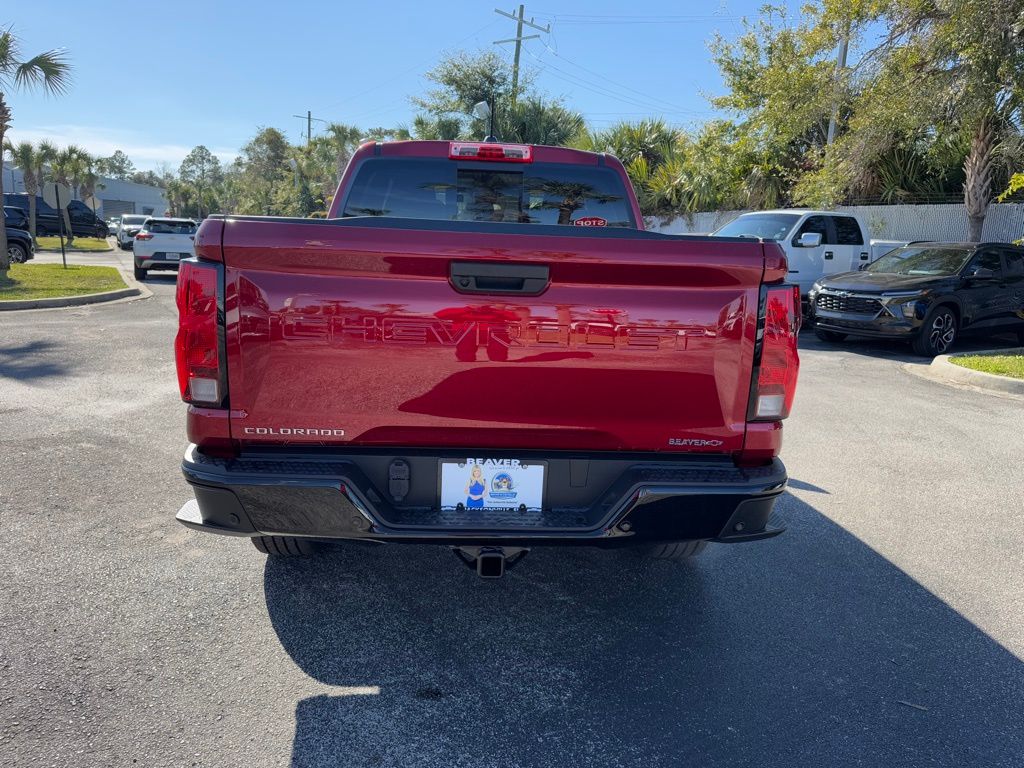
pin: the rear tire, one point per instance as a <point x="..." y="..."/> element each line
<point x="679" y="551"/>
<point x="832" y="337"/>
<point x="140" y="273"/>
<point x="938" y="333"/>
<point x="284" y="546"/>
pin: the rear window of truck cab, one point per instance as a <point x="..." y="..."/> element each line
<point x="447" y="190"/>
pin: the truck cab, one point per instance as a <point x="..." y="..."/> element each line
<point x="817" y="243"/>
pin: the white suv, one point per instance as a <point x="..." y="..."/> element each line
<point x="127" y="228"/>
<point x="162" y="243"/>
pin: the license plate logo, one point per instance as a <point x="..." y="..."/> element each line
<point x="492" y="484"/>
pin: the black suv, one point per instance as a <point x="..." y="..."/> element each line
<point x="927" y="293"/>
<point x="15" y="218"/>
<point x="19" y="246"/>
<point x="84" y="223"/>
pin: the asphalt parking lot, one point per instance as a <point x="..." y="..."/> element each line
<point x="884" y="628"/>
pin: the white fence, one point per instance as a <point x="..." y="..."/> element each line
<point x="1004" y="222"/>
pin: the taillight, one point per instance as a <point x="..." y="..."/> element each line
<point x="772" y="397"/>
<point x="502" y="153"/>
<point x="143" y="236"/>
<point x="197" y="350"/>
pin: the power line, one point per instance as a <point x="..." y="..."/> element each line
<point x="580" y="82"/>
<point x="586" y="18"/>
<point x="609" y="81"/>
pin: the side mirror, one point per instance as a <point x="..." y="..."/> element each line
<point x="981" y="273"/>
<point x="809" y="240"/>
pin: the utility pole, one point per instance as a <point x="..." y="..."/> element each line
<point x="308" y="117"/>
<point x="518" y="40"/>
<point x="844" y="45"/>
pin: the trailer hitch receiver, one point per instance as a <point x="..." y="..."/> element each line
<point x="490" y="562"/>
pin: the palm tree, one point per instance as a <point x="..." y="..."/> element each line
<point x="345" y="139"/>
<point x="68" y="167"/>
<point x="30" y="160"/>
<point x="90" y="180"/>
<point x="651" y="139"/>
<point x="533" y="121"/>
<point x="49" y="71"/>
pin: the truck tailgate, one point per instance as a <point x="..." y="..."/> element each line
<point x="356" y="332"/>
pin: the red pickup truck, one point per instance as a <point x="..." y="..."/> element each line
<point x="482" y="348"/>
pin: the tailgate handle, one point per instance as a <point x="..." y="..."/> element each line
<point x="526" y="279"/>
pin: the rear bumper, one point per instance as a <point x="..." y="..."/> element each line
<point x="154" y="262"/>
<point x="593" y="499"/>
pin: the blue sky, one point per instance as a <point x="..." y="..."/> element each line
<point x="155" y="79"/>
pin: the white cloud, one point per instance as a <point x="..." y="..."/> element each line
<point x="103" y="142"/>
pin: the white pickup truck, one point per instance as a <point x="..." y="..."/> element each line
<point x="817" y="243"/>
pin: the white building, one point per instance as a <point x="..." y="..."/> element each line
<point x="114" y="197"/>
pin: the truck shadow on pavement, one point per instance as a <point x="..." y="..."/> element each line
<point x="810" y="649"/>
<point x="32" y="360"/>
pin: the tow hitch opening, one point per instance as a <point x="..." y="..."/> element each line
<point x="490" y="562"/>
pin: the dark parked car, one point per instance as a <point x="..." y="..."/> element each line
<point x="926" y="293"/>
<point x="15" y="218"/>
<point x="19" y="246"/>
<point x="84" y="223"/>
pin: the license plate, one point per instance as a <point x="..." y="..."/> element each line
<point x="495" y="484"/>
<point x="175" y="255"/>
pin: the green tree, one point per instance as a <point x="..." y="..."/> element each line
<point x="342" y="141"/>
<point x="387" y="134"/>
<point x="531" y="120"/>
<point x="31" y="160"/>
<point x="117" y="166"/>
<point x="651" y="140"/>
<point x="435" y="127"/>
<point x="674" y="172"/>
<point x="150" y="178"/>
<point x="966" y="59"/>
<point x="1015" y="185"/>
<point x="69" y="167"/>
<point x="262" y="167"/>
<point x="935" y="104"/>
<point x="201" y="170"/>
<point x="90" y="179"/>
<point x="782" y="86"/>
<point x="179" y="197"/>
<point x="48" y="71"/>
<point x="462" y="80"/>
